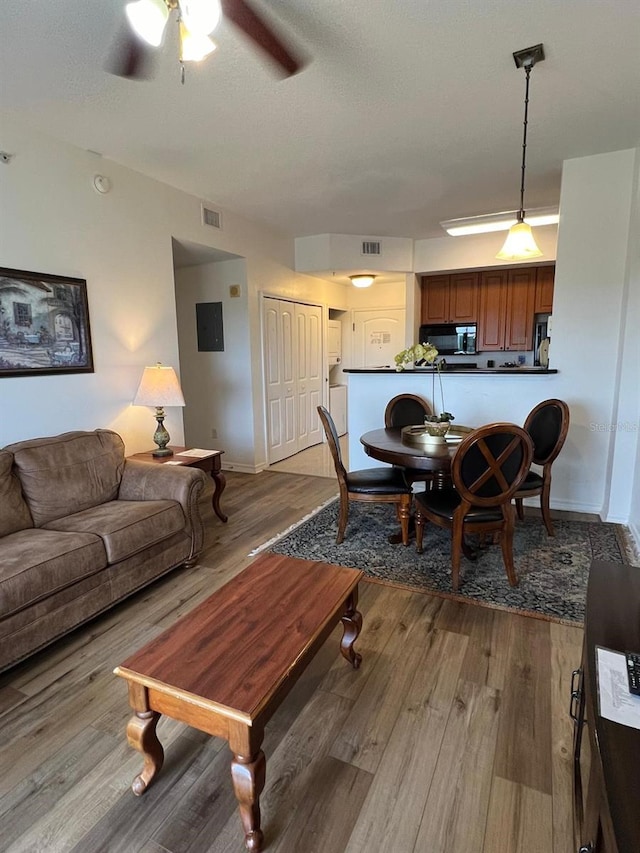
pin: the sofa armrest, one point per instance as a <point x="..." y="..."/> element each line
<point x="148" y="481"/>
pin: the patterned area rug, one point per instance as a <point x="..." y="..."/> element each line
<point x="553" y="572"/>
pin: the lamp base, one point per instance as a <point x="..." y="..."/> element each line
<point x="162" y="451"/>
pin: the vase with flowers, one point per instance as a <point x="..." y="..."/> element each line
<point x="435" y="425"/>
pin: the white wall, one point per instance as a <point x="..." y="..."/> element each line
<point x="53" y="221"/>
<point x="344" y="252"/>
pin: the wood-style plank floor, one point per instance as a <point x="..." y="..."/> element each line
<point x="452" y="736"/>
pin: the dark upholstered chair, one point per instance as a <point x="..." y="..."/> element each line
<point x="406" y="410"/>
<point x="487" y="470"/>
<point x="548" y="425"/>
<point x="377" y="485"/>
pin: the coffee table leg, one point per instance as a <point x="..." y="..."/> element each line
<point x="352" y="625"/>
<point x="141" y="734"/>
<point x="248" y="769"/>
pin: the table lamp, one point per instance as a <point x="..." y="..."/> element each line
<point x="159" y="387"/>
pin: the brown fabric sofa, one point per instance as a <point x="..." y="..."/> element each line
<point x="81" y="527"/>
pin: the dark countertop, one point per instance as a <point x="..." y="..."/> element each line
<point x="482" y="371"/>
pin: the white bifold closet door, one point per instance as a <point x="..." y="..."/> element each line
<point x="293" y="376"/>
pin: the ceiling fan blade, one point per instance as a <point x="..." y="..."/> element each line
<point x="130" y="57"/>
<point x="247" y="20"/>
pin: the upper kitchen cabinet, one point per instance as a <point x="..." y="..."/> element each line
<point x="450" y="298"/>
<point x="544" y="290"/>
<point x="507" y="300"/>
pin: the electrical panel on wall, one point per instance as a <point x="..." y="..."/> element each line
<point x="209" y="327"/>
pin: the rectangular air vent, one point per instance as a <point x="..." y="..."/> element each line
<point x="371" y="247"/>
<point x="211" y="217"/>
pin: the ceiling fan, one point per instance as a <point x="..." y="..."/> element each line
<point x="197" y="19"/>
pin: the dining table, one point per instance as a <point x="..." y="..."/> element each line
<point x="392" y="445"/>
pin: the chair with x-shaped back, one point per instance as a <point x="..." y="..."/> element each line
<point x="489" y="466"/>
<point x="377" y="485"/>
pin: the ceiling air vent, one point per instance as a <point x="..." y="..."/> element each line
<point x="371" y="247"/>
<point x="211" y="217"/>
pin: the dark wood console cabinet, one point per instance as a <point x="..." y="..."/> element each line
<point x="607" y="762"/>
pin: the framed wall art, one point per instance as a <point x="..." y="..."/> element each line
<point x="44" y="324"/>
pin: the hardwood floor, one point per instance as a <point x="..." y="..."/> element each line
<point x="452" y="736"/>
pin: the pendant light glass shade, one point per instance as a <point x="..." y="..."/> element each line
<point x="148" y="19"/>
<point x="519" y="245"/>
<point x="362" y="280"/>
<point x="194" y="46"/>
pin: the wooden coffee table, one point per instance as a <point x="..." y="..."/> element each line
<point x="226" y="666"/>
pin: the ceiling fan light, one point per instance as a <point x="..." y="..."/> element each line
<point x="519" y="245"/>
<point x="201" y="17"/>
<point x="194" y="46"/>
<point x="148" y="19"/>
<point x="362" y="280"/>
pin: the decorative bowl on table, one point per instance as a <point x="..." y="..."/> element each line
<point x="432" y="445"/>
<point x="437" y="428"/>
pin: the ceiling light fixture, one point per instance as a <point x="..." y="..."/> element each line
<point x="520" y="245"/>
<point x="196" y="19"/>
<point x="362" y="280"/>
<point x="502" y="221"/>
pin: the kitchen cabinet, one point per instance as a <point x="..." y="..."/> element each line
<point x="507" y="299"/>
<point x="544" y="290"/>
<point x="449" y="298"/>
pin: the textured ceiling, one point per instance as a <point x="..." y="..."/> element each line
<point x="408" y="113"/>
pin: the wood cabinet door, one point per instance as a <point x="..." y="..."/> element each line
<point x="435" y="299"/>
<point x="520" y="301"/>
<point x="492" y="314"/>
<point x="544" y="290"/>
<point x="463" y="297"/>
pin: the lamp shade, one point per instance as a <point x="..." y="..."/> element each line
<point x="159" y="386"/>
<point x="519" y="245"/>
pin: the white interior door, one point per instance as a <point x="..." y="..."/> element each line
<point x="378" y="334"/>
<point x="309" y="373"/>
<point x="293" y="376"/>
<point x="279" y="331"/>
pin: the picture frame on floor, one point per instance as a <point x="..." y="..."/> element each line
<point x="44" y="324"/>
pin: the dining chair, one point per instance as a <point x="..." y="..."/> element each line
<point x="406" y="410"/>
<point x="548" y="425"/>
<point x="376" y="485"/>
<point x="409" y="410"/>
<point x="487" y="470"/>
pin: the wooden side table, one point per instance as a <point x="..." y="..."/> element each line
<point x="209" y="464"/>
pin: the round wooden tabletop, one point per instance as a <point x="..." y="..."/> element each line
<point x="387" y="445"/>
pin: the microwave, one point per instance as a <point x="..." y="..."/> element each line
<point x="450" y="338"/>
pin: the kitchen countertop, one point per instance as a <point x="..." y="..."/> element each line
<point x="469" y="371"/>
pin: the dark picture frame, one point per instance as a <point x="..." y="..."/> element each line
<point x="44" y="324"/>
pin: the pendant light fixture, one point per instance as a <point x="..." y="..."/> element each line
<point x="520" y="245"/>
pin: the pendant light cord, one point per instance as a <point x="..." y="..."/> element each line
<point x="524" y="142"/>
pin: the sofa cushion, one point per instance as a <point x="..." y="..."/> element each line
<point x="14" y="513"/>
<point x="68" y="473"/>
<point x="126" y="527"/>
<point x="36" y="563"/>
